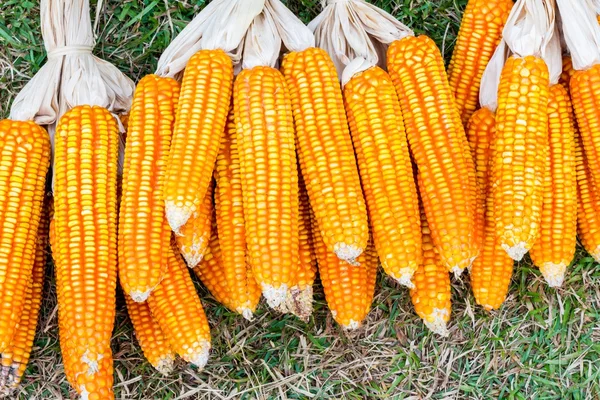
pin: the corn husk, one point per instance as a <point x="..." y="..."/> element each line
<point x="581" y="31"/>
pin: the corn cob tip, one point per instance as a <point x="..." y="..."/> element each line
<point x="405" y="279"/>
<point x="193" y="257"/>
<point x="457" y="271"/>
<point x="176" y="216"/>
<point x="246" y="313"/>
<point x="437" y="322"/>
<point x="274" y="296"/>
<point x="516" y="252"/>
<point x="554" y="273"/>
<point x="140" y="297"/>
<point x="352" y="325"/>
<point x="8" y="379"/>
<point x="199" y="358"/>
<point x="596" y="254"/>
<point x="165" y="365"/>
<point x="348" y="253"/>
<point x="299" y="302"/>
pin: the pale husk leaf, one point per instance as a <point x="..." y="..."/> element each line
<point x="529" y="27"/>
<point x="220" y="25"/>
<point x="581" y="32"/>
<point x="72" y="75"/>
<point x="294" y="34"/>
<point x="262" y="43"/>
<point x="553" y="57"/>
<point x="490" y="80"/>
<point x="353" y="29"/>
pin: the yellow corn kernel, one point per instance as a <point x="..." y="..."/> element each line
<point x="479" y="35"/>
<point x="176" y="307"/>
<point x="199" y="126"/>
<point x="431" y="292"/>
<point x="268" y="170"/>
<point x="85" y="245"/>
<point x="152" y="341"/>
<point x="194" y="236"/>
<point x="520" y="153"/>
<point x="16" y="356"/>
<point x="588" y="203"/>
<point x="567" y="73"/>
<point x="24" y="160"/>
<point x="144" y="233"/>
<point x="325" y="152"/>
<point x="434" y="133"/>
<point x="555" y="248"/>
<point x="386" y="173"/>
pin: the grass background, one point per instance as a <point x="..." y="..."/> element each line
<point x="542" y="344"/>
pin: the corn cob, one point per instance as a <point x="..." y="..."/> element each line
<point x="144" y="233"/>
<point x="434" y="133"/>
<point x="520" y="151"/>
<point x="177" y="309"/>
<point x="588" y="204"/>
<point x="385" y="168"/>
<point x="479" y="34"/>
<point x="431" y="292"/>
<point x="193" y="237"/>
<point x="199" y="127"/>
<point x="349" y="289"/>
<point x="325" y="152"/>
<point x="268" y="171"/>
<point x="567" y="73"/>
<point x="16" y="356"/>
<point x="480" y="133"/>
<point x="237" y="274"/>
<point x="155" y="346"/>
<point x="85" y="245"/>
<point x="555" y="248"/>
<point x="299" y="300"/>
<point x="24" y="160"/>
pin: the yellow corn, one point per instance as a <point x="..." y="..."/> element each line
<point x="567" y="73"/>
<point x="85" y="245"/>
<point x="325" y="152"/>
<point x="555" y="248"/>
<point x="479" y="34"/>
<point x="144" y="233"/>
<point x="155" y="346"/>
<point x="199" y="127"/>
<point x="588" y="204"/>
<point x="434" y="134"/>
<point x="176" y="307"/>
<point x="193" y="237"/>
<point x="16" y="356"/>
<point x="234" y="272"/>
<point x="385" y="168"/>
<point x="431" y="292"/>
<point x="268" y="171"/>
<point x="24" y="159"/>
<point x="520" y="153"/>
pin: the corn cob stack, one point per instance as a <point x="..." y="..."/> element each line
<point x="480" y="32"/>
<point x="201" y="48"/>
<point x="194" y="236"/>
<point x="377" y="131"/>
<point x="16" y="356"/>
<point x="149" y="335"/>
<point x="177" y="309"/>
<point x="555" y="247"/>
<point x="431" y="292"/>
<point x="521" y="141"/>
<point x="144" y="233"/>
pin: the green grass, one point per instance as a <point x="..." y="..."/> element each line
<point x="542" y="344"/>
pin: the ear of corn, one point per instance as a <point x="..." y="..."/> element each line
<point x="431" y="292"/>
<point x="349" y="289"/>
<point x="269" y="176"/>
<point x="479" y="34"/>
<point x="434" y="135"/>
<point x="386" y="172"/>
<point x="176" y="307"/>
<point x="16" y="356"/>
<point x="149" y="335"/>
<point x="199" y="127"/>
<point x="144" y="234"/>
<point x="299" y="300"/>
<point x="85" y="245"/>
<point x="520" y="153"/>
<point x="555" y="248"/>
<point x="231" y="245"/>
<point x="588" y="204"/>
<point x="194" y="236"/>
<point x="24" y="160"/>
<point x="585" y="94"/>
<point x="325" y="152"/>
